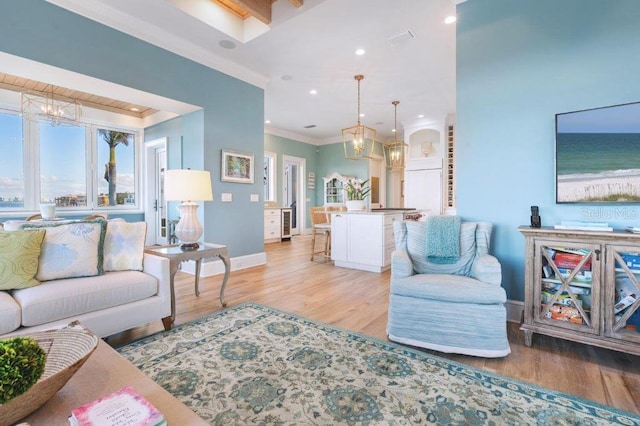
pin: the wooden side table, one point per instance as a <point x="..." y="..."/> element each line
<point x="176" y="256"/>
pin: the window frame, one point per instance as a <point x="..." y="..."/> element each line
<point x="31" y="169"/>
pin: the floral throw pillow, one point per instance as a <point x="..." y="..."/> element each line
<point x="124" y="246"/>
<point x="70" y="249"/>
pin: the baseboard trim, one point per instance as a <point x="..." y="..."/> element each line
<point x="515" y="308"/>
<point x="215" y="266"/>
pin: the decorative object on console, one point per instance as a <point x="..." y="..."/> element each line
<point x="359" y="140"/>
<point x="395" y="151"/>
<point x="188" y="186"/>
<point x="536" y="221"/>
<point x="48" y="211"/>
<point x="357" y="191"/>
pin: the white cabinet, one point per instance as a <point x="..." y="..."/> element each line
<point x="363" y="240"/>
<point x="272" y="225"/>
<point x="423" y="186"/>
<point x="277" y="224"/>
<point x="334" y="191"/>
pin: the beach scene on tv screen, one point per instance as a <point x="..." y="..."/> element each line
<point x="598" y="155"/>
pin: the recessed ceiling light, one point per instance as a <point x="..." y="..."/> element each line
<point x="360" y="52"/>
<point x="135" y="109"/>
<point x="313" y="91"/>
<point x="420" y="115"/>
<point x="362" y="114"/>
<point x="227" y="44"/>
<point x="393" y="130"/>
<point x="267" y="121"/>
<point x="450" y="19"/>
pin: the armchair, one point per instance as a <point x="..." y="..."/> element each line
<point x="455" y="307"/>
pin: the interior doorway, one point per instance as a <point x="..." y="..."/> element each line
<point x="293" y="194"/>
<point x="158" y="229"/>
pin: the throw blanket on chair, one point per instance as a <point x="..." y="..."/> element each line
<point x="443" y="239"/>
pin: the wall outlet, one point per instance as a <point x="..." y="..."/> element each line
<point x="255" y="198"/>
<point x="226" y="197"/>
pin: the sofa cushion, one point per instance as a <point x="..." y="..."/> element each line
<point x="416" y="246"/>
<point x="124" y="246"/>
<point x="19" y="252"/>
<point x="10" y="317"/>
<point x="449" y="288"/>
<point x="67" y="298"/>
<point x="70" y="249"/>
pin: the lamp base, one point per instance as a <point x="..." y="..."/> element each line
<point x="189" y="246"/>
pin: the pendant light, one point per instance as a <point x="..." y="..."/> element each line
<point x="359" y="140"/>
<point x="394" y="151"/>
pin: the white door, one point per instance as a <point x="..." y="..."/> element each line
<point x="293" y="191"/>
<point x="156" y="205"/>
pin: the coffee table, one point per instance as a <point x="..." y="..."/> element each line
<point x="104" y="372"/>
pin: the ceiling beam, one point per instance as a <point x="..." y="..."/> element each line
<point x="261" y="9"/>
<point x="296" y="3"/>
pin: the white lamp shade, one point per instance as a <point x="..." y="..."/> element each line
<point x="188" y="185"/>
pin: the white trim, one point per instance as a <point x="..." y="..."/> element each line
<point x="148" y="170"/>
<point x="216" y="267"/>
<point x="291" y="135"/>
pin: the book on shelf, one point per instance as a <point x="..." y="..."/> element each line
<point x="576" y="288"/>
<point x="571" y="261"/>
<point x="633" y="229"/>
<point x="583" y="223"/>
<point x="125" y="407"/>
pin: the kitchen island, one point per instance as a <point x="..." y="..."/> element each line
<point x="364" y="239"/>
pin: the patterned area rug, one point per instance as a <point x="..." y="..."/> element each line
<point x="252" y="364"/>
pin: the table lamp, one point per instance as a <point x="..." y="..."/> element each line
<point x="188" y="186"/>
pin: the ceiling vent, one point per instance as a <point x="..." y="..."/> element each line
<point x="310" y="126"/>
<point x="401" y="38"/>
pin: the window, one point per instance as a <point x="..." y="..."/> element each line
<point x="82" y="167"/>
<point x="116" y="181"/>
<point x="63" y="165"/>
<point x="12" y="191"/>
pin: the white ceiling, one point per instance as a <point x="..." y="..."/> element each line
<point x="315" y="45"/>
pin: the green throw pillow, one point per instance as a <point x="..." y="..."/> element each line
<point x="19" y="252"/>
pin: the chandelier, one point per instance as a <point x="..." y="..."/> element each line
<point x="394" y="151"/>
<point x="43" y="106"/>
<point x="359" y="141"/>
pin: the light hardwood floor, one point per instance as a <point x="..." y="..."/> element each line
<point x="357" y="301"/>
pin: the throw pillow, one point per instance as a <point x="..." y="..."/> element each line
<point x="124" y="246"/>
<point x="70" y="249"/>
<point x="19" y="251"/>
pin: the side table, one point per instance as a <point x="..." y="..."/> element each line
<point x="176" y="256"/>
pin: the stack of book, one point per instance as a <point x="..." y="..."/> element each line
<point x="125" y="407"/>
<point x="584" y="226"/>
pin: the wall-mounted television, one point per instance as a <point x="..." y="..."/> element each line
<point x="598" y="155"/>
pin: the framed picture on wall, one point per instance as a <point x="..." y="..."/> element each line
<point x="237" y="167"/>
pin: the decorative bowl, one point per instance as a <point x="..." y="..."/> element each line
<point x="67" y="349"/>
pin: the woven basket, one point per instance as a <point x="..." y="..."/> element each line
<point x="67" y="349"/>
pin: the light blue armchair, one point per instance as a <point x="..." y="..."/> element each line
<point x="453" y="307"/>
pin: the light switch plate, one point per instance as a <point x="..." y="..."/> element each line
<point x="227" y="197"/>
<point x="255" y="198"/>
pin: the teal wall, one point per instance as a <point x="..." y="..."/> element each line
<point x="519" y="63"/>
<point x="293" y="148"/>
<point x="232" y="116"/>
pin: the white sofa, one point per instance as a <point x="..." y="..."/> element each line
<point x="107" y="303"/>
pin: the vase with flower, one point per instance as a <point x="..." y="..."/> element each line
<point x="357" y="192"/>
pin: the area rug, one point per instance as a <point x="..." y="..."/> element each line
<point x="252" y="364"/>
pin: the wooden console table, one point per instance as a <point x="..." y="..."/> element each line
<point x="176" y="256"/>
